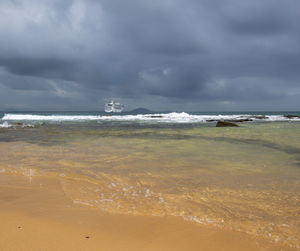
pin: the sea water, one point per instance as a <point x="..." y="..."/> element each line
<point x="244" y="178"/>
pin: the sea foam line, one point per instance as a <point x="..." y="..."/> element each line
<point x="173" y="117"/>
<point x="32" y="117"/>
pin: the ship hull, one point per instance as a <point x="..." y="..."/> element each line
<point x="113" y="106"/>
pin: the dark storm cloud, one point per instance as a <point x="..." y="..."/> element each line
<point x="36" y="66"/>
<point x="261" y="17"/>
<point x="188" y="52"/>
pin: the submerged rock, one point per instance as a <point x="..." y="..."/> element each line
<point x="231" y="120"/>
<point x="239" y="120"/>
<point x="225" y="124"/>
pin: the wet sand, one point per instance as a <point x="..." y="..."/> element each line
<point x="152" y="187"/>
<point x="35" y="214"/>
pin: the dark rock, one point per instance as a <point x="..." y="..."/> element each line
<point x="19" y="124"/>
<point x="290" y="116"/>
<point x="155" y="116"/>
<point x="225" y="124"/>
<point x="260" y="117"/>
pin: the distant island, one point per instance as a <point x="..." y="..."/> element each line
<point x="140" y="110"/>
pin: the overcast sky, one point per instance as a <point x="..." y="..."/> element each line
<point x="184" y="55"/>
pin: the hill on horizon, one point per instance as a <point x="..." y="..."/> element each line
<point x="140" y="110"/>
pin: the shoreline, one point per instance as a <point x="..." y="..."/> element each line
<point x="37" y="215"/>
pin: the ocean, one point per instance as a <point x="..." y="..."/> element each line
<point x="244" y="178"/>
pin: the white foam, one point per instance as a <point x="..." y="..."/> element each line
<point x="82" y="203"/>
<point x="106" y="200"/>
<point x="172" y="117"/>
<point x="202" y="220"/>
<point x="148" y="193"/>
<point x="31" y="117"/>
<point x="5" y="125"/>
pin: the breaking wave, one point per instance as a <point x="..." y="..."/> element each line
<point x="5" y="125"/>
<point x="173" y="117"/>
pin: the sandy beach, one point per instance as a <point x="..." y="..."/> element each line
<point x="131" y="186"/>
<point x="36" y="215"/>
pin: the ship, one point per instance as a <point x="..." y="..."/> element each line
<point x="113" y="106"/>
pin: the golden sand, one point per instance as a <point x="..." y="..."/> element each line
<point x="36" y="215"/>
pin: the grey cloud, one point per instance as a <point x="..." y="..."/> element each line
<point x="185" y="52"/>
<point x="36" y="66"/>
<point x="261" y="17"/>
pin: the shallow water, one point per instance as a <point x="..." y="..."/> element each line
<point x="243" y="178"/>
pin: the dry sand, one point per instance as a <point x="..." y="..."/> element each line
<point x="36" y="215"/>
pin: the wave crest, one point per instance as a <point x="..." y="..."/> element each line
<point x="173" y="117"/>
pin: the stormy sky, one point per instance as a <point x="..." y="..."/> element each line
<point x="183" y="55"/>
